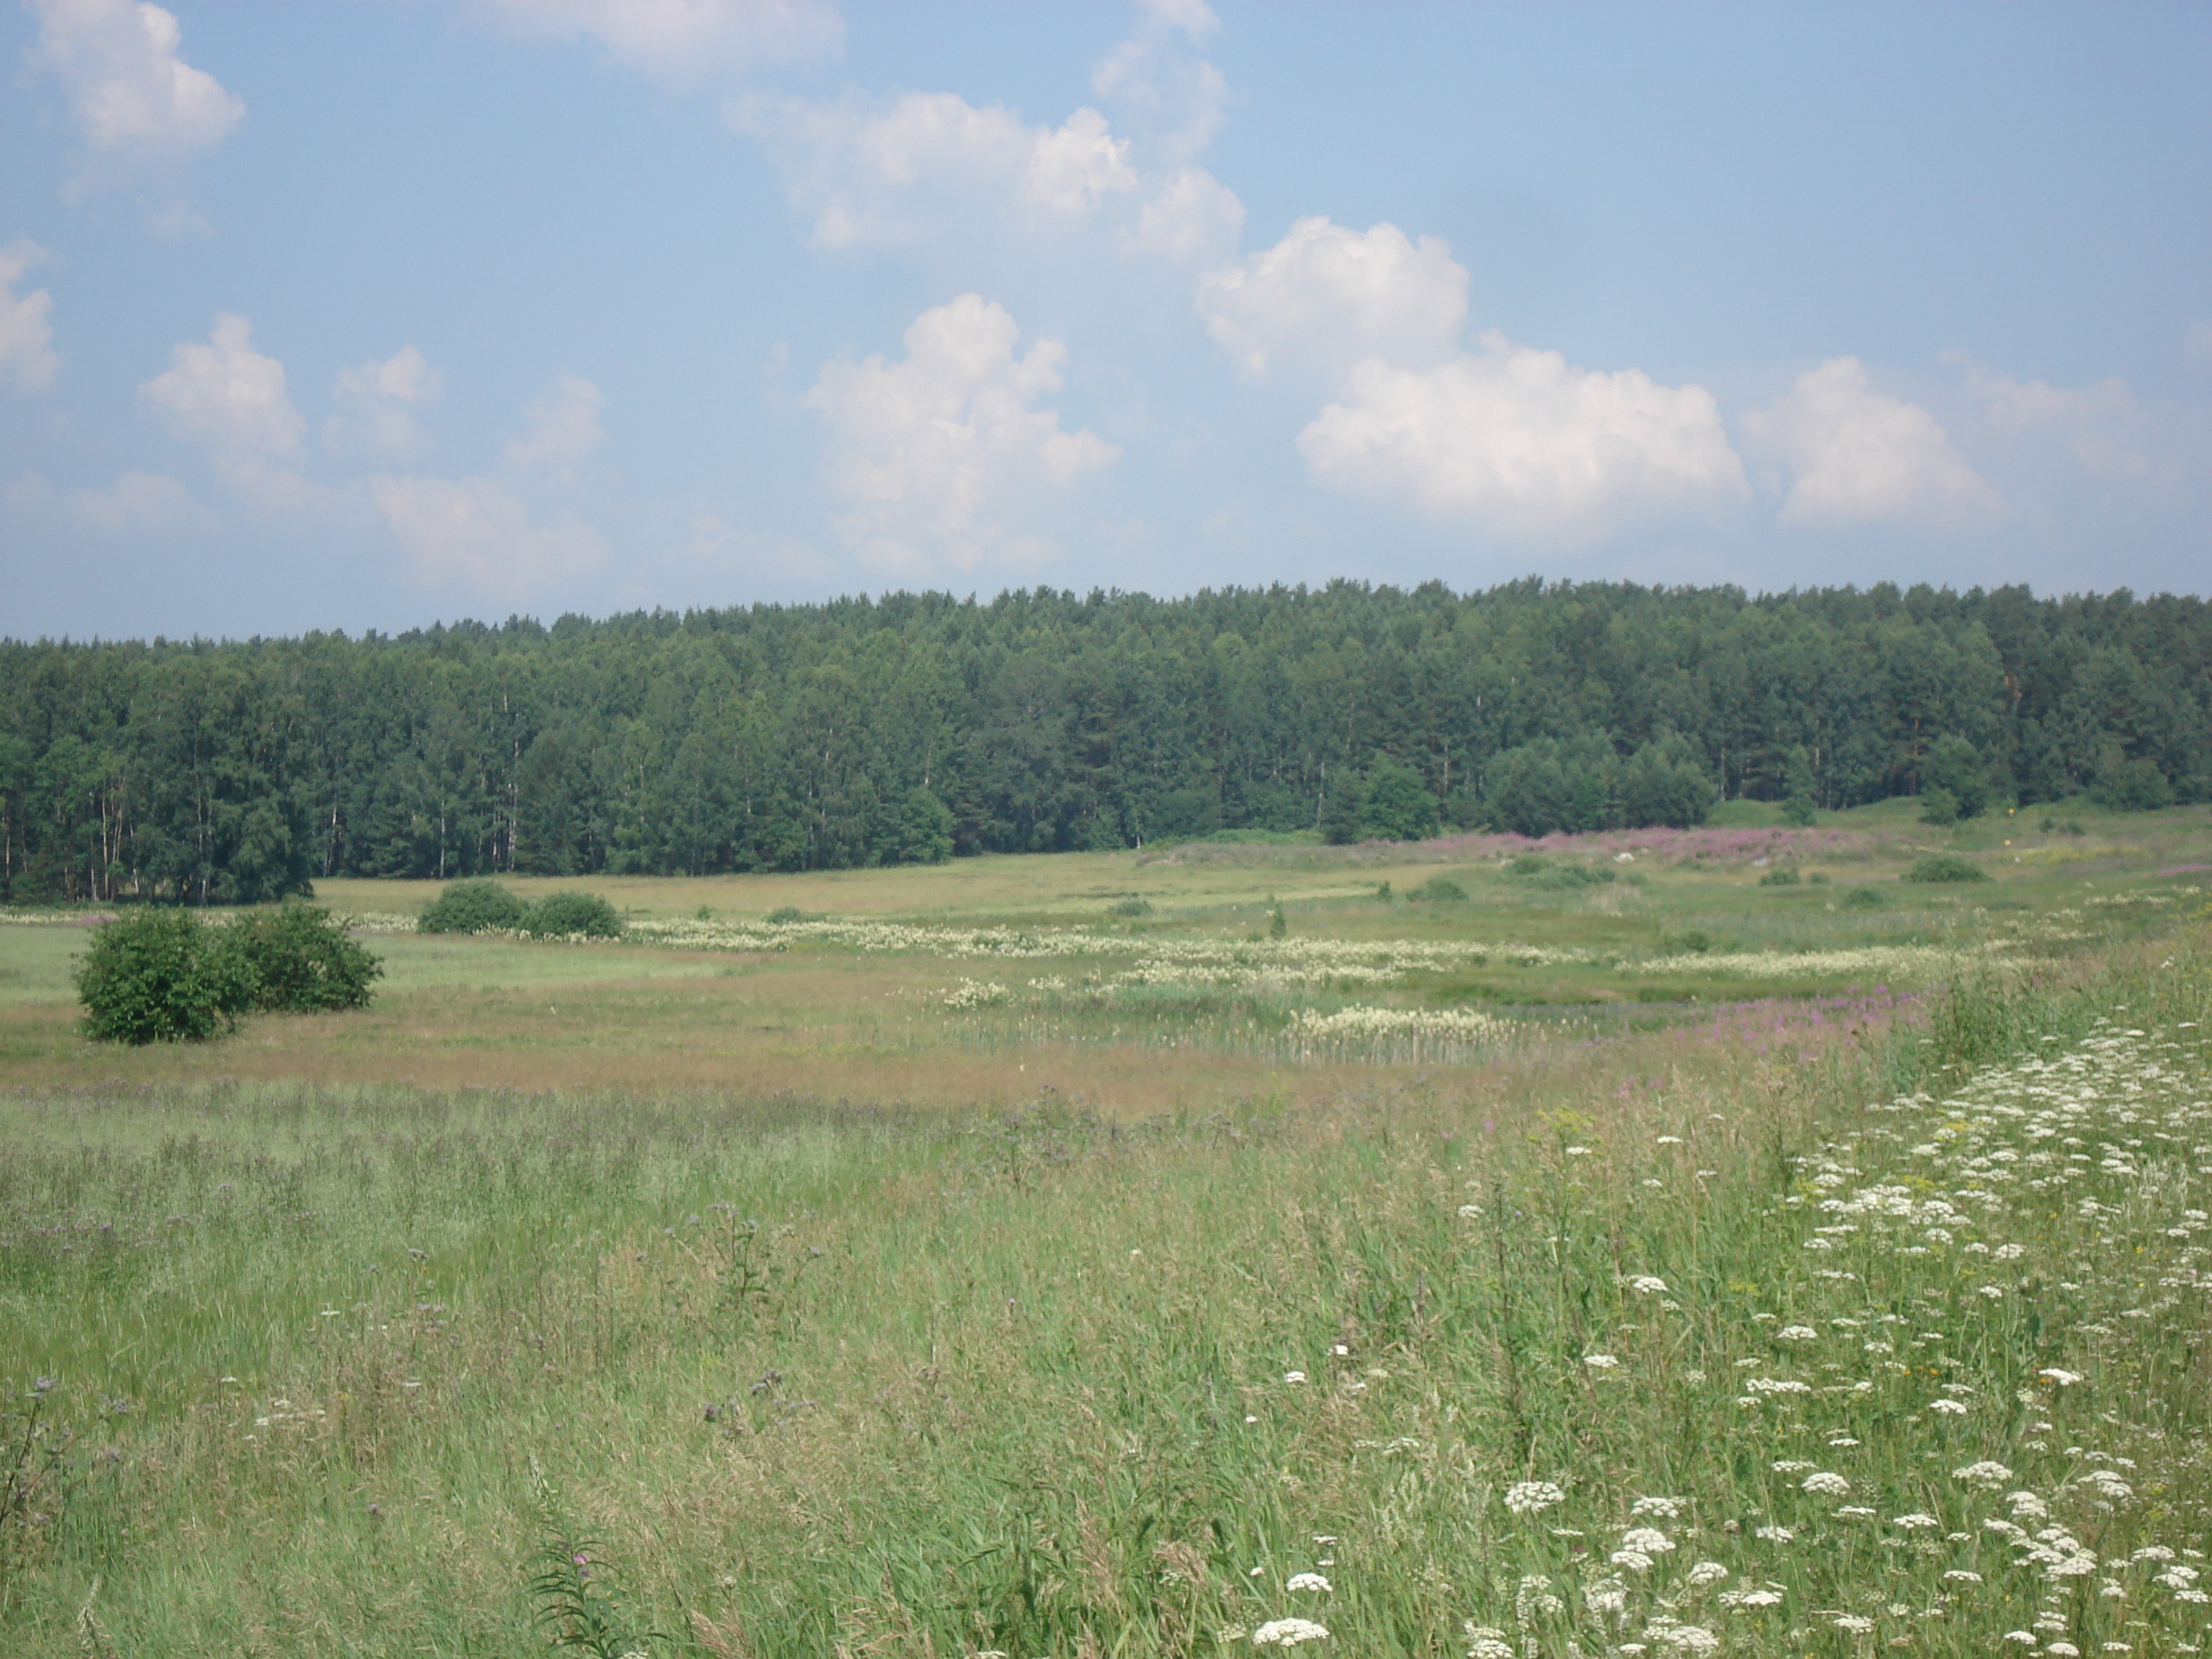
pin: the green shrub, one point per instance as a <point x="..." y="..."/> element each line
<point x="1865" y="898"/>
<point x="297" y="959"/>
<point x="1938" y="806"/>
<point x="1131" y="906"/>
<point x="784" y="915"/>
<point x="1818" y="878"/>
<point x="1542" y="874"/>
<point x="160" y="976"/>
<point x="1697" y="942"/>
<point x="567" y="916"/>
<point x="1943" y="867"/>
<point x="1439" y="890"/>
<point x="1782" y="876"/>
<point x="471" y="907"/>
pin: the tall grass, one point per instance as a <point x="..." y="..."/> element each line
<point x="1545" y="1356"/>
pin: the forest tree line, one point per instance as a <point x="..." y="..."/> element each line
<point x="920" y="726"/>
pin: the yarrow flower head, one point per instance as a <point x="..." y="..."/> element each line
<point x="1485" y="1642"/>
<point x="1984" y="1473"/>
<point x="1645" y="1285"/>
<point x="1528" y="1497"/>
<point x="1667" y="1509"/>
<point x="1601" y="1362"/>
<point x="1309" y="1580"/>
<point x="1288" y="1633"/>
<point x="1827" y="1484"/>
<point x="1649" y="1540"/>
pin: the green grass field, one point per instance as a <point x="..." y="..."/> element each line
<point x="1666" y="1265"/>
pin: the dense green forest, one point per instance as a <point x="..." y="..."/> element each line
<point x="921" y="726"/>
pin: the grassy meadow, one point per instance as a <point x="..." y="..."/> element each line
<point x="1620" y="1247"/>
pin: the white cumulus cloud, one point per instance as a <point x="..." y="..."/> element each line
<point x="1859" y="456"/>
<point x="27" y="355"/>
<point x="377" y="404"/>
<point x="130" y="91"/>
<point x="679" y="40"/>
<point x="1332" y="296"/>
<point x="229" y="398"/>
<point x="564" y="425"/>
<point x="1192" y="214"/>
<point x="937" y="450"/>
<point x="2102" y="425"/>
<point x="870" y="174"/>
<point x="1171" y="98"/>
<point x="476" y="534"/>
<point x="1521" y="443"/>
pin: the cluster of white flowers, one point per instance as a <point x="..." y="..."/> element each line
<point x="977" y="994"/>
<point x="1529" y="1496"/>
<point x="1891" y="962"/>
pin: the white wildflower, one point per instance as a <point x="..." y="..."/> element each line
<point x="1915" y="1521"/>
<point x="1984" y="1473"/>
<point x="1826" y="1485"/>
<point x="1309" y="1580"/>
<point x="1288" y="1633"/>
<point x="1797" y="1334"/>
<point x="1667" y="1509"/>
<point x="1601" y="1362"/>
<point x="1605" y="1595"/>
<point x="2064" y="1379"/>
<point x="1486" y="1642"/>
<point x="1645" y="1285"/>
<point x="1528" y="1497"/>
<point x="1649" y="1540"/>
<point x="1751" y="1598"/>
<point x="1852" y="1624"/>
<point x="1775" y="1534"/>
<point x="1708" y="1572"/>
<point x="1948" y="1408"/>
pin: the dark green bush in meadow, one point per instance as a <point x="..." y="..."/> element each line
<point x="472" y="906"/>
<point x="297" y="959"/>
<point x="568" y="915"/>
<point x="161" y="976"/>
<point x="1943" y="867"/>
<point x="1439" y="890"/>
<point x="1783" y="875"/>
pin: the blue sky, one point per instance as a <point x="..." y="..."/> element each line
<point x="367" y="315"/>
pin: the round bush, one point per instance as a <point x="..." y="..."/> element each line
<point x="565" y="916"/>
<point x="160" y="976"/>
<point x="1865" y="898"/>
<point x="471" y="907"/>
<point x="1439" y="890"/>
<point x="299" y="960"/>
<point x="1943" y="867"/>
